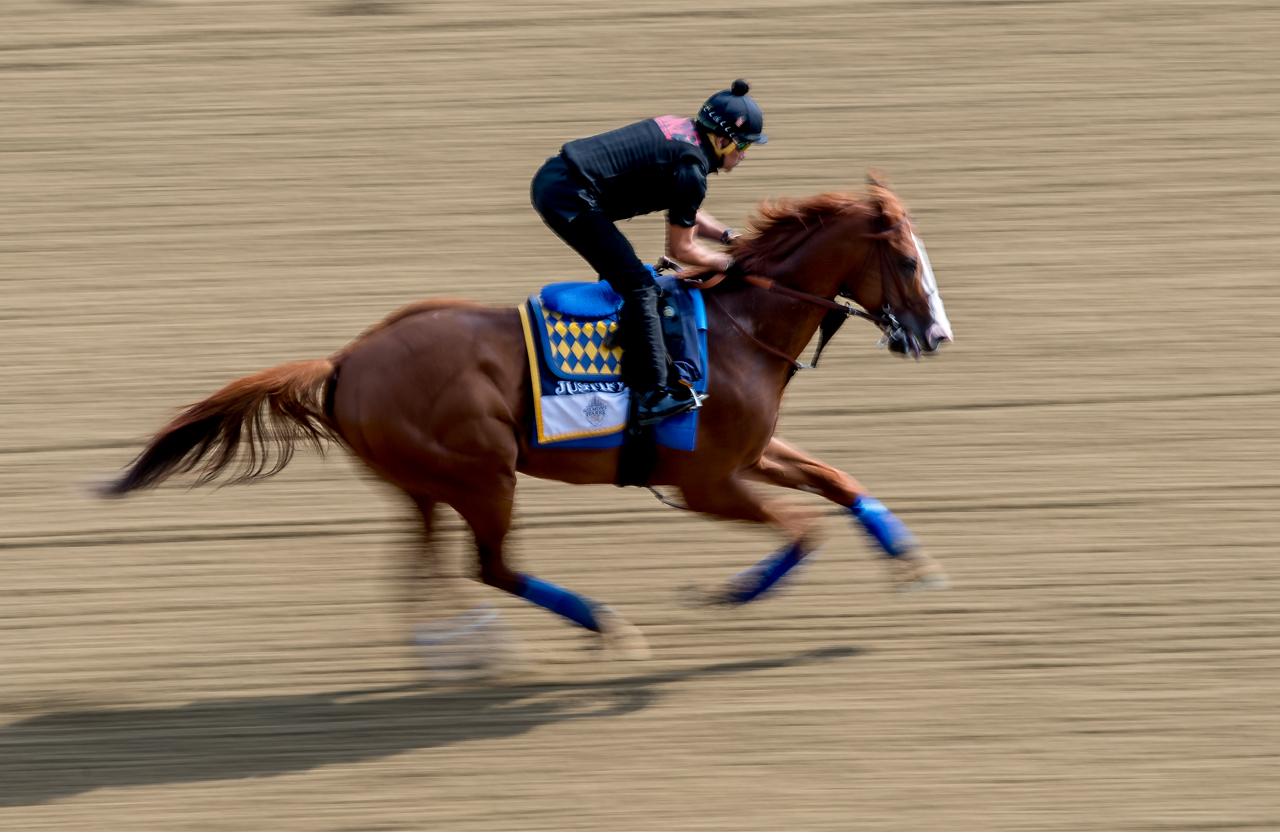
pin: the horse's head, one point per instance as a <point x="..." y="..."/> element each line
<point x="895" y="282"/>
<point x="866" y="250"/>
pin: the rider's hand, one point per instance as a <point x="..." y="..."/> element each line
<point x="696" y="273"/>
<point x="708" y="277"/>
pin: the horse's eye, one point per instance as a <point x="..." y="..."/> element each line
<point x="909" y="265"/>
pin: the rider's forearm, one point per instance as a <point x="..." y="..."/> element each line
<point x="708" y="227"/>
<point x="691" y="253"/>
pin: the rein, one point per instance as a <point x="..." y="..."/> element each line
<point x="826" y="303"/>
<point x="794" y="363"/>
<point x="829" y="327"/>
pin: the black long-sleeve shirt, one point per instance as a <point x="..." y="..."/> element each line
<point x="656" y="164"/>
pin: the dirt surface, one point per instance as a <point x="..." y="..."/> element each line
<point x="192" y="191"/>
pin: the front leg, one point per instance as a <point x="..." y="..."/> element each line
<point x="784" y="465"/>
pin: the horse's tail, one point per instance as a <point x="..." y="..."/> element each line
<point x="267" y="411"/>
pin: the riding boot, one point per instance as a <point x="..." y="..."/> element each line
<point x="644" y="362"/>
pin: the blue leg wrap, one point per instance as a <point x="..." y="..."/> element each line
<point x="885" y="528"/>
<point x="562" y="602"/>
<point x="760" y="578"/>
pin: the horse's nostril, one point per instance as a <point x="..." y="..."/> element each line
<point x="934" y="338"/>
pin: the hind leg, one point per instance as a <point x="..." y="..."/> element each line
<point x="420" y="578"/>
<point x="488" y="512"/>
<point x="461" y="644"/>
<point x="911" y="566"/>
<point x="731" y="498"/>
<point x="425" y="587"/>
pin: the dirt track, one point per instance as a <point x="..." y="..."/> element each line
<point x="193" y="191"/>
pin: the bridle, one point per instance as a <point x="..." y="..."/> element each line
<point x="837" y="312"/>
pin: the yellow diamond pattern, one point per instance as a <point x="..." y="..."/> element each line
<point x="578" y="347"/>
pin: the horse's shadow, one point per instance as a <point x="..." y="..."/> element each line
<point x="65" y="753"/>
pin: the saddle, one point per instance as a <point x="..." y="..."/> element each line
<point x="575" y="363"/>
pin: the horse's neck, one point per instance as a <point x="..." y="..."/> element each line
<point x="776" y="320"/>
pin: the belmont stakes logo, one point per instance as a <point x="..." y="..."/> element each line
<point x="595" y="411"/>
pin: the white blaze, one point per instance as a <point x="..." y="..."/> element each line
<point x="942" y="325"/>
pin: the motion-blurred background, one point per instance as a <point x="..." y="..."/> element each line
<point x="192" y="191"/>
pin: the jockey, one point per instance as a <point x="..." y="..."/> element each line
<point x="655" y="164"/>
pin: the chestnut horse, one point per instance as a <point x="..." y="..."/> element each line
<point x="436" y="400"/>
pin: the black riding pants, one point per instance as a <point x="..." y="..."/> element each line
<point x="568" y="207"/>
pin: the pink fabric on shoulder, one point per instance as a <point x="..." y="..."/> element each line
<point x="677" y="128"/>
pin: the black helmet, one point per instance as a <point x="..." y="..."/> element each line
<point x="735" y="115"/>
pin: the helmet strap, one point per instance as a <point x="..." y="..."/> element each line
<point x="721" y="145"/>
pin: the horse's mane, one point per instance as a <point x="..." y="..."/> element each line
<point x="781" y="225"/>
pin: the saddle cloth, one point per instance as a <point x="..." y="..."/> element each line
<point x="579" y="400"/>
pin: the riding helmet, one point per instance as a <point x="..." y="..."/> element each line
<point x="734" y="114"/>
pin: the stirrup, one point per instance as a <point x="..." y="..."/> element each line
<point x="668" y="406"/>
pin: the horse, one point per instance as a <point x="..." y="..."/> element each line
<point x="436" y="400"/>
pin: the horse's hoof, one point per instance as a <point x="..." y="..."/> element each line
<point x="475" y="645"/>
<point x="700" y="597"/>
<point x="916" y="571"/>
<point x="620" y="637"/>
<point x="926" y="583"/>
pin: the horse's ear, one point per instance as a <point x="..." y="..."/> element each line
<point x="876" y="189"/>
<point x="884" y="203"/>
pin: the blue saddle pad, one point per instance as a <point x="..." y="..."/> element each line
<point x="582" y="300"/>
<point x="579" y="399"/>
